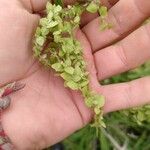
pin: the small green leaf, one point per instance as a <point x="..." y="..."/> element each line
<point x="52" y="24"/>
<point x="44" y="31"/>
<point x="85" y="91"/>
<point x="76" y="78"/>
<point x="43" y="22"/>
<point x="69" y="70"/>
<point x="57" y="66"/>
<point x="57" y="9"/>
<point x="103" y="11"/>
<point x="38" y="32"/>
<point x="89" y="102"/>
<point x="102" y="123"/>
<point x="66" y="76"/>
<point x="56" y="32"/>
<point x="78" y="70"/>
<point x="58" y="2"/>
<point x="72" y="85"/>
<point x="97" y="110"/>
<point x="49" y="6"/>
<point x="68" y="62"/>
<point x="50" y="16"/>
<point x="140" y="116"/>
<point x="92" y="7"/>
<point x="40" y="40"/>
<point x="76" y="19"/>
<point x="99" y="100"/>
<point x="84" y="83"/>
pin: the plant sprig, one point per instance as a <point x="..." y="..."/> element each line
<point x="55" y="46"/>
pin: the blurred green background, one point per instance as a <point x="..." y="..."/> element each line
<point x="126" y="130"/>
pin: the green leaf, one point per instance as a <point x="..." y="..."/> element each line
<point x="76" y="78"/>
<point x="49" y="6"/>
<point x="56" y="32"/>
<point x="92" y="7"/>
<point x="43" y="22"/>
<point x="72" y="85"/>
<point x="68" y="61"/>
<point x="40" y="40"/>
<point x="50" y="16"/>
<point x="44" y="31"/>
<point x="57" y="9"/>
<point x="102" y="123"/>
<point x="69" y="70"/>
<point x="78" y="70"/>
<point x="66" y="76"/>
<point x="38" y="32"/>
<point x="89" y="102"/>
<point x="85" y="91"/>
<point x="103" y="11"/>
<point x="57" y="67"/>
<point x="84" y="83"/>
<point x="76" y="19"/>
<point x="97" y="110"/>
<point x="140" y="116"/>
<point x="52" y="24"/>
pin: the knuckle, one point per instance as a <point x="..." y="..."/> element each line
<point x="128" y="95"/>
<point x="123" y="57"/>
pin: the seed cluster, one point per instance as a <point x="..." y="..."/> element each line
<point x="56" y="46"/>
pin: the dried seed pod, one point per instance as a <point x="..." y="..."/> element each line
<point x="12" y="88"/>
<point x="5" y="102"/>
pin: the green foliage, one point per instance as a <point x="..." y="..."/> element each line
<point x="64" y="53"/>
<point x="92" y="7"/>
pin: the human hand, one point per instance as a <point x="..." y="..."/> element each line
<point x="45" y="112"/>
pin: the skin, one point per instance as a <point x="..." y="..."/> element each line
<point x="45" y="112"/>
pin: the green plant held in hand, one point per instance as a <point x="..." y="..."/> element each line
<point x="55" y="46"/>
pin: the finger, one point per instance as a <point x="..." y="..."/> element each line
<point x="127" y="54"/>
<point x="124" y="16"/>
<point x="39" y="5"/>
<point x="127" y="95"/>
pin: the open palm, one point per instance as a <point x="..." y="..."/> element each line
<point x="45" y="112"/>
